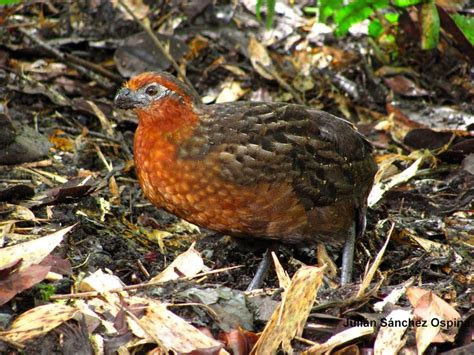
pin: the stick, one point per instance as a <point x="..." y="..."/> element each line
<point x="158" y="44"/>
<point x="73" y="63"/>
<point x="137" y="286"/>
<point x="282" y="83"/>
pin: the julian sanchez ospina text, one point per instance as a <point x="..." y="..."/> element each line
<point x="392" y="323"/>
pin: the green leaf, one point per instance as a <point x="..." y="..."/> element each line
<point x="310" y="10"/>
<point x="327" y="8"/>
<point x="405" y="3"/>
<point x="392" y="17"/>
<point x="466" y="25"/>
<point x="389" y="39"/>
<point x="258" y="9"/>
<point x="270" y="13"/>
<point x="9" y="2"/>
<point x="430" y="26"/>
<point x="356" y="12"/>
<point x="375" y="28"/>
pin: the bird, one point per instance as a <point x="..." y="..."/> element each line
<point x="268" y="170"/>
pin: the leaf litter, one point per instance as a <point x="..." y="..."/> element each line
<point x="143" y="281"/>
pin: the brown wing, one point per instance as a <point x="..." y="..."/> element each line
<point x="322" y="156"/>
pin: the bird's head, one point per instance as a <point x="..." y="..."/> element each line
<point x="156" y="96"/>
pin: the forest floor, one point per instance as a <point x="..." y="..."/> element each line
<point x="66" y="159"/>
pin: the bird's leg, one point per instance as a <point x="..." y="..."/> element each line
<point x="348" y="256"/>
<point x="262" y="271"/>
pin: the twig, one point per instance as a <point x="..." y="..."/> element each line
<point x="12" y="342"/>
<point x="282" y="83"/>
<point x="73" y="63"/>
<point x="158" y="44"/>
<point x="94" y="134"/>
<point x="95" y="67"/>
<point x="137" y="286"/>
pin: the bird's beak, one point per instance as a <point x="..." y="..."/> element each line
<point x="127" y="99"/>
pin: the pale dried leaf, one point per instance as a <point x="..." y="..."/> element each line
<point x="290" y="316"/>
<point x="102" y="282"/>
<point x="234" y="70"/>
<point x="432" y="310"/>
<point x="260" y="58"/>
<point x="39" y="321"/>
<point x="426" y="334"/>
<point x="415" y="295"/>
<point x="172" y="332"/>
<point x="436" y="249"/>
<point x="324" y="259"/>
<point x="393" y="296"/>
<point x="389" y="339"/>
<point x="379" y="189"/>
<point x="105" y="309"/>
<point x="283" y="278"/>
<point x="186" y="264"/>
<point x="231" y="91"/>
<point x="32" y="252"/>
<point x="23" y="213"/>
<point x="139" y="8"/>
<point x="339" y="339"/>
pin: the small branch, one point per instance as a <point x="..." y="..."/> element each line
<point x="158" y="44"/>
<point x="95" y="67"/>
<point x="137" y="286"/>
<point x="12" y="343"/>
<point x="283" y="83"/>
<point x="72" y="61"/>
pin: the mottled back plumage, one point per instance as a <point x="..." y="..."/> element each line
<point x="323" y="156"/>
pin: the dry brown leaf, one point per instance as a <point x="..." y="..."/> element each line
<point x="437" y="250"/>
<point x="19" y="281"/>
<point x="114" y="190"/>
<point x="186" y="264"/>
<point x="352" y="349"/>
<point x="389" y="339"/>
<point x="338" y="339"/>
<point x="39" y="321"/>
<point x="260" y="58"/>
<point x="172" y="332"/>
<point x="289" y="317"/>
<point x="139" y="8"/>
<point x="61" y="141"/>
<point x="324" y="259"/>
<point x="238" y="341"/>
<point x="394" y="295"/>
<point x="432" y="311"/>
<point x="102" y="282"/>
<point x="32" y="252"/>
<point x="231" y="91"/>
<point x="283" y="278"/>
<point x="404" y="86"/>
<point x="379" y="189"/>
<point x="23" y="213"/>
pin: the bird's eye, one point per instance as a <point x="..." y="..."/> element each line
<point x="152" y="90"/>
